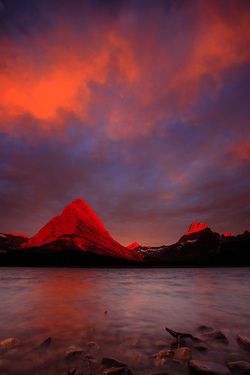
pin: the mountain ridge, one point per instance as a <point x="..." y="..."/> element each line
<point x="82" y="229"/>
<point x="77" y="236"/>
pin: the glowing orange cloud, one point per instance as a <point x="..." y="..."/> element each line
<point x="28" y="87"/>
<point x="53" y="74"/>
<point x="242" y="150"/>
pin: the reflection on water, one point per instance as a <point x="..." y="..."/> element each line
<point x="123" y="310"/>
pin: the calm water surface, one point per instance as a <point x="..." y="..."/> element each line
<point x="124" y="311"/>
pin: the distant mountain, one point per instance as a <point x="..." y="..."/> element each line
<point x="195" y="227"/>
<point x="195" y="231"/>
<point x="77" y="237"/>
<point x="9" y="241"/>
<point x="78" y="227"/>
<point x="133" y="245"/>
<point x="201" y="246"/>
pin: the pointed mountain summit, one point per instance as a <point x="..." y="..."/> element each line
<point x="133" y="245"/>
<point x="195" y="227"/>
<point x="196" y="230"/>
<point x="79" y="227"/>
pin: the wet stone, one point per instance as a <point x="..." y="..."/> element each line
<point x="8" y="344"/>
<point x="117" y="371"/>
<point x="183" y="354"/>
<point x="113" y="367"/>
<point x="239" y="367"/>
<point x="162" y="356"/>
<point x="44" y="344"/>
<point x="244" y="342"/>
<point x="200" y="346"/>
<point x="215" y="335"/>
<point x="111" y="362"/>
<point x="207" y="368"/>
<point x="73" y="353"/>
<point x="71" y="371"/>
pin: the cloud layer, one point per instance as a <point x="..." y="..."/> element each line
<point x="141" y="109"/>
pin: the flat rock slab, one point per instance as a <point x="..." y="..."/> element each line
<point x="117" y="371"/>
<point x="183" y="354"/>
<point x="44" y="345"/>
<point x="244" y="342"/>
<point x="201" y="346"/>
<point x="207" y="368"/>
<point x="113" y="367"/>
<point x="239" y="367"/>
<point x="8" y="344"/>
<point x="215" y="335"/>
<point x="111" y="362"/>
<point x="72" y="353"/>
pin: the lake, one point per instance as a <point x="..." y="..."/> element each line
<point x="118" y="313"/>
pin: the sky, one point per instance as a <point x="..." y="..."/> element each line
<point x="139" y="107"/>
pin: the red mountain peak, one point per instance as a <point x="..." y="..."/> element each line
<point x="196" y="226"/>
<point x="76" y="218"/>
<point x="81" y="210"/>
<point x="81" y="228"/>
<point x="133" y="245"/>
<point x="227" y="234"/>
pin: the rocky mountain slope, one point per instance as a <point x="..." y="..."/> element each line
<point x="202" y="246"/>
<point x="78" y="227"/>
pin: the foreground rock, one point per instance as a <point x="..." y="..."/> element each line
<point x="215" y="335"/>
<point x="200" y="346"/>
<point x="162" y="356"/>
<point x="183" y="354"/>
<point x="8" y="344"/>
<point x="239" y="367"/>
<point x="244" y="342"/>
<point x="44" y="345"/>
<point x="207" y="368"/>
<point x="72" y="353"/>
<point x="113" y="367"/>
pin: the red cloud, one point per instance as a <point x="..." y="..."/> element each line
<point x="241" y="151"/>
<point x="154" y="79"/>
<point x="61" y="81"/>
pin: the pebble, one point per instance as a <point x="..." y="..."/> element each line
<point x="8" y="344"/>
<point x="183" y="354"/>
<point x="200" y="346"/>
<point x="117" y="371"/>
<point x="239" y="367"/>
<point x="73" y="352"/>
<point x="113" y="367"/>
<point x="207" y="368"/>
<point x="44" y="345"/>
<point x="162" y="356"/>
<point x="244" y="342"/>
<point x="215" y="335"/>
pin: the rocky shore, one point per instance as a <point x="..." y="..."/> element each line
<point x="205" y="350"/>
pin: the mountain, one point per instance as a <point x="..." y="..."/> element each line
<point x="78" y="227"/>
<point x="77" y="237"/>
<point x="9" y="241"/>
<point x="133" y="245"/>
<point x="195" y="227"/>
<point x="201" y="246"/>
<point x="195" y="231"/>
